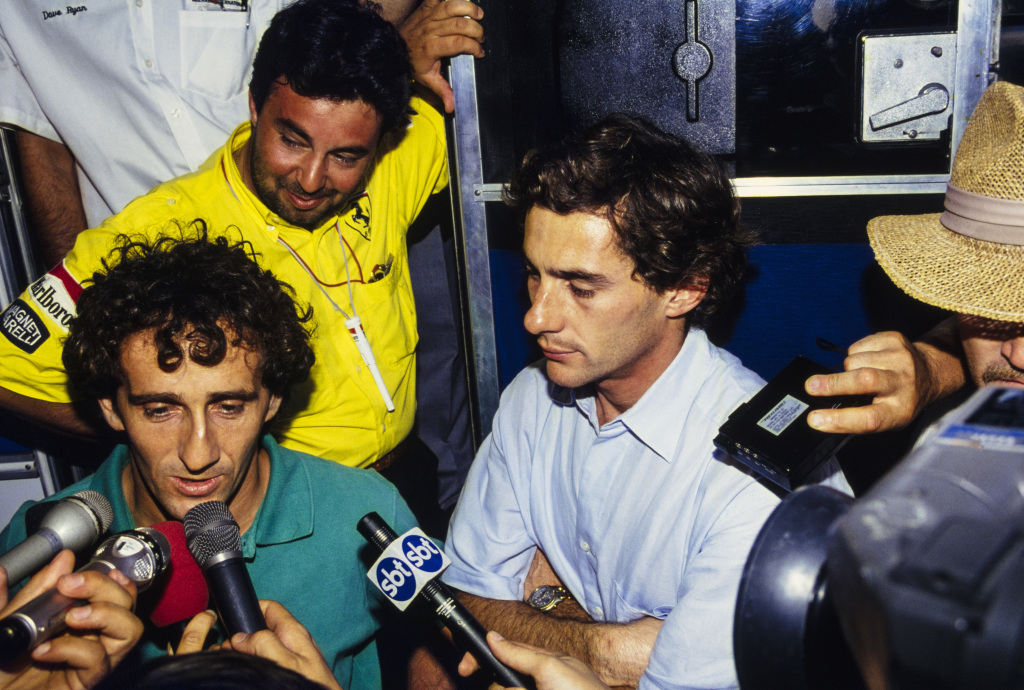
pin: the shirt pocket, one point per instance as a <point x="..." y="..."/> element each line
<point x="216" y="53"/>
<point x="387" y="305"/>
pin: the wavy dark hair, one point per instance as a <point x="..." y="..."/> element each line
<point x="671" y="205"/>
<point x="200" y="294"/>
<point x="342" y="50"/>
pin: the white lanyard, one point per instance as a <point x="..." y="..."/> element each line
<point x="352" y="323"/>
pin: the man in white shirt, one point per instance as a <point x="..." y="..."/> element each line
<point x="601" y="455"/>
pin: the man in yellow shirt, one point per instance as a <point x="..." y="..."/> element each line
<point x="323" y="181"/>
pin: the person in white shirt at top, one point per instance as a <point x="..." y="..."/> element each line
<point x="600" y="481"/>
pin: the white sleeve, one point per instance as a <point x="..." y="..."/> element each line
<point x="694" y="647"/>
<point x="18" y="105"/>
<point x="489" y="541"/>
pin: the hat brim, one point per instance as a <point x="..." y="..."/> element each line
<point x="938" y="266"/>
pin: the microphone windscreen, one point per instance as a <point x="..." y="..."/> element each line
<point x="211" y="531"/>
<point x="99" y="505"/>
<point x="182" y="592"/>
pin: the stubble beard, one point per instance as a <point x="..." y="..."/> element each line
<point x="269" y="188"/>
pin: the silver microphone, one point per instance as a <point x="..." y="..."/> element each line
<point x="74" y="523"/>
<point x="140" y="554"/>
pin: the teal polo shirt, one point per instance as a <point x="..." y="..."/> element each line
<point x="301" y="550"/>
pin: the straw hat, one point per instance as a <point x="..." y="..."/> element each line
<point x="969" y="259"/>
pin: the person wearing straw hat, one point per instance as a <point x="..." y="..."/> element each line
<point x="969" y="260"/>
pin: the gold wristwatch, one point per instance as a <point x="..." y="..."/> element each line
<point x="546" y="597"/>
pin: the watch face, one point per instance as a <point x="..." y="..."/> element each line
<point x="542" y="596"/>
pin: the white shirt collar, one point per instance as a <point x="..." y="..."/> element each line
<point x="659" y="414"/>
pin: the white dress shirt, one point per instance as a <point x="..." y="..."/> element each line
<point x="639" y="517"/>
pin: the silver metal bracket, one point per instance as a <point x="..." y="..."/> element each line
<point x="909" y="82"/>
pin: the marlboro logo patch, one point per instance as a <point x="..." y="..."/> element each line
<point x="55" y="295"/>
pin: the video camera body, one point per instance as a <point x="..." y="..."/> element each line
<point x="923" y="577"/>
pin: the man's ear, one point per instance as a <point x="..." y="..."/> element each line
<point x="109" y="410"/>
<point x="253" y="113"/>
<point x="273" y="407"/>
<point x="685" y="298"/>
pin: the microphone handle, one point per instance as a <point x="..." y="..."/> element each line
<point x="30" y="555"/>
<point x="40" y="619"/>
<point x="469" y="633"/>
<point x="465" y="629"/>
<point x="235" y="597"/>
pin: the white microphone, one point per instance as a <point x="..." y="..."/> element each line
<point x="74" y="523"/>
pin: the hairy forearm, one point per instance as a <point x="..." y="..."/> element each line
<point x="62" y="418"/>
<point x="53" y="200"/>
<point x="618" y="653"/>
<point x="943" y="354"/>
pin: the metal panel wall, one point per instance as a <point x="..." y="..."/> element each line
<point x="829" y="112"/>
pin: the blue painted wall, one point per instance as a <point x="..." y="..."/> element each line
<point x="795" y="293"/>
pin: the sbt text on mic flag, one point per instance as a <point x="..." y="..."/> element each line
<point x="406" y="566"/>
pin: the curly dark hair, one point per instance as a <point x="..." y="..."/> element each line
<point x="342" y="50"/>
<point x="671" y="205"/>
<point x="196" y="291"/>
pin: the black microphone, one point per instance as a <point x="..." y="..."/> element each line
<point x="216" y="543"/>
<point x="139" y="554"/>
<point x="467" y="631"/>
<point x="74" y="523"/>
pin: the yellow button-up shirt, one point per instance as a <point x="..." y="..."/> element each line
<point x="338" y="413"/>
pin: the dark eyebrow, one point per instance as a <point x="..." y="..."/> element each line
<point x="578" y="274"/>
<point x="244" y="396"/>
<point x="289" y="125"/>
<point x="286" y="124"/>
<point x="165" y="398"/>
<point x="171" y="399"/>
<point x="595" y="279"/>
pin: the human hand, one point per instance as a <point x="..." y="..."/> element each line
<point x="549" y="670"/>
<point x="619" y="653"/>
<point x="438" y="29"/>
<point x="194" y="636"/>
<point x="101" y="632"/>
<point x="899" y="374"/>
<point x="287" y="642"/>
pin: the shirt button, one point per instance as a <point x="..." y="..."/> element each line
<point x="172" y="202"/>
<point x="359" y="369"/>
<point x="598" y="611"/>
<point x="383" y="427"/>
<point x="270" y="228"/>
<point x="138" y="3"/>
<point x="149" y="64"/>
<point x="175" y="113"/>
<point x="585" y="546"/>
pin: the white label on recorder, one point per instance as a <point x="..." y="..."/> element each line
<point x="782" y="415"/>
<point x="406" y="566"/>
